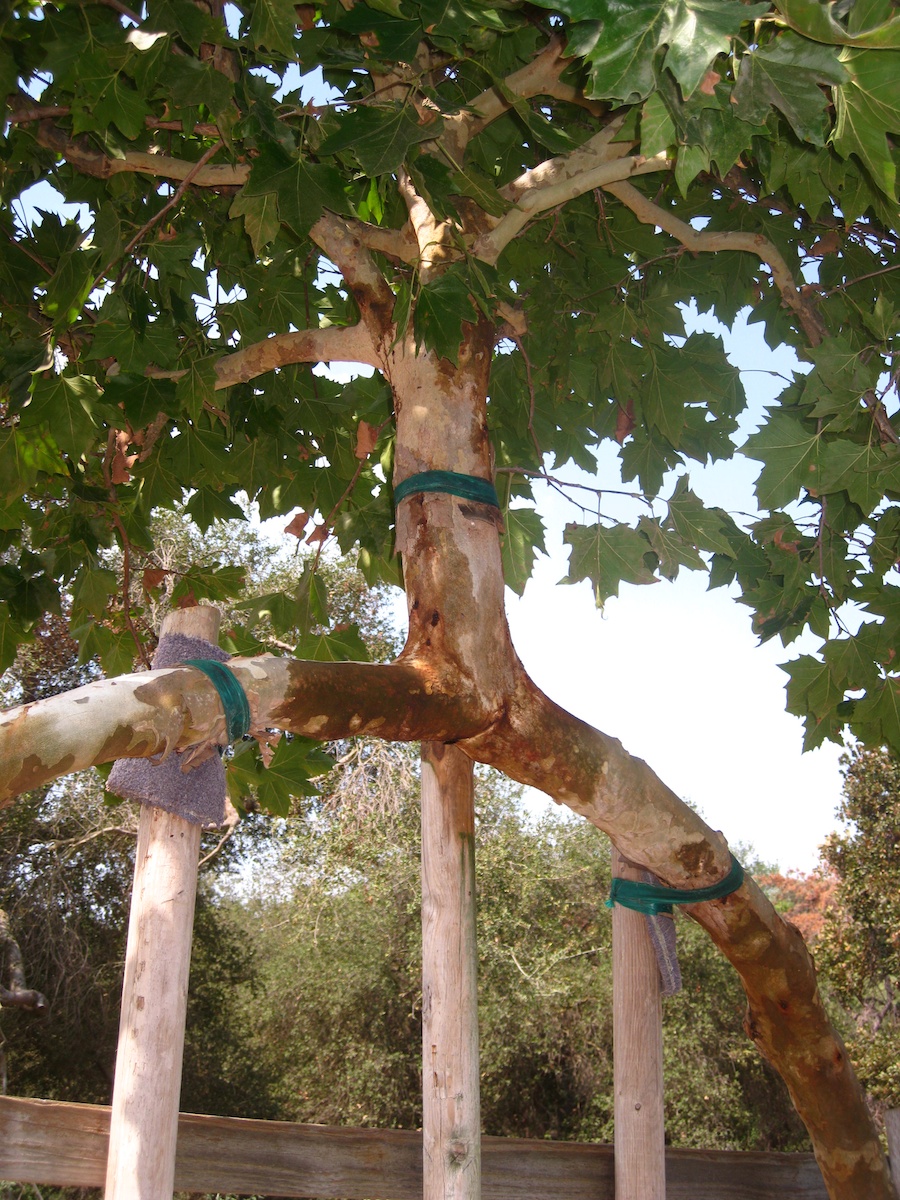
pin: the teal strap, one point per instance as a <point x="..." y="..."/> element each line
<point x="469" y="487"/>
<point x="232" y="695"/>
<point x="651" y="899"/>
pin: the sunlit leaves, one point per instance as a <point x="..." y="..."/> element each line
<point x="523" y="539"/>
<point x="67" y="406"/>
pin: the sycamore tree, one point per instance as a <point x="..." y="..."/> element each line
<point x="501" y="210"/>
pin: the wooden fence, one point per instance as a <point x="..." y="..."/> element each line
<point x="45" y="1142"/>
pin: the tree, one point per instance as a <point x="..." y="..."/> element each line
<point x="499" y="210"/>
<point x="859" y="946"/>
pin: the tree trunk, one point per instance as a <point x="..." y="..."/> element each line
<point x="451" y="1109"/>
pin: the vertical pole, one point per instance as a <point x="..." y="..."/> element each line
<point x="892" y="1129"/>
<point x="451" y="1117"/>
<point x="637" y="1055"/>
<point x="144" y="1121"/>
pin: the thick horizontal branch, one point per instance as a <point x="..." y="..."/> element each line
<point x="701" y="240"/>
<point x="350" y="344"/>
<point x="156" y="712"/>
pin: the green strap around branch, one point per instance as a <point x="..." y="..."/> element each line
<point x="651" y="899"/>
<point x="232" y="695"/>
<point x="469" y="487"/>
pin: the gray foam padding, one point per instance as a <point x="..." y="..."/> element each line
<point x="198" y="795"/>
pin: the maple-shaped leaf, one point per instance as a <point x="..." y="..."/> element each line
<point x="303" y="188"/>
<point x="380" y="136"/>
<point x="789" y="447"/>
<point x="273" y="24"/>
<point x="670" y="548"/>
<point x="607" y="557"/>
<point x="850" y="466"/>
<point x="868" y="110"/>
<point x="787" y="74"/>
<point x="261" y="219"/>
<point x="68" y="404"/>
<point x="821" y="22"/>
<point x="877" y="715"/>
<point x="443" y="305"/>
<point x="620" y="40"/>
<point x="522" y="540"/>
<point x="814" y="694"/>
<point x="705" y="528"/>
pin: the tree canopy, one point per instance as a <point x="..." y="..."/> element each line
<point x="501" y="210"/>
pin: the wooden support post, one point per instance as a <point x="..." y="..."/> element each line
<point x="637" y="1055"/>
<point x="144" y="1122"/>
<point x="892" y="1129"/>
<point x="451" y="1117"/>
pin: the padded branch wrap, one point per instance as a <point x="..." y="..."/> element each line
<point x="197" y="795"/>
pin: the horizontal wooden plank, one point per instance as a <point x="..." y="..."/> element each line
<point x="42" y="1141"/>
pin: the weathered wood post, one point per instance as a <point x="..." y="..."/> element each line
<point x="144" y="1122"/>
<point x="451" y="1118"/>
<point x="892" y="1129"/>
<point x="637" y="1054"/>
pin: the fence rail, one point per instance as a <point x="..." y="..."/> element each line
<point x="45" y="1142"/>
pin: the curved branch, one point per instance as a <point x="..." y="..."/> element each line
<point x="338" y="343"/>
<point x="17" y="995"/>
<point x="595" y="164"/>
<point x="697" y="240"/>
<point x="341" y="241"/>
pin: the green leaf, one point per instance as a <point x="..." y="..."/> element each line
<point x="209" y="583"/>
<point x="208" y="504"/>
<point x="705" y="528"/>
<point x="868" y="109"/>
<point x="878" y="714"/>
<point x="296" y="760"/>
<point x="607" y="557"/>
<point x="657" y="126"/>
<point x="670" y="548"/>
<point x="273" y="24"/>
<point x="789" y="448"/>
<point x="260" y="215"/>
<point x="67" y="404"/>
<point x="69" y="287"/>
<point x="197" y="386"/>
<point x="786" y="74"/>
<point x="817" y="21"/>
<point x="442" y="307"/>
<point x="116" y="651"/>
<point x="523" y="538"/>
<point x="813" y="694"/>
<point x="850" y="467"/>
<point x="622" y="47"/>
<point x="91" y="593"/>
<point x="12" y="635"/>
<point x="381" y="136"/>
<point x="303" y="189"/>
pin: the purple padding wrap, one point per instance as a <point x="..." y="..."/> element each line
<point x="198" y="795"/>
<point x="661" y="929"/>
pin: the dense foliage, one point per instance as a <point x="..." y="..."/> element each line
<point x="152" y="343"/>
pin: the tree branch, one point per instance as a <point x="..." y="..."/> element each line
<point x="338" y="343"/>
<point x="93" y="162"/>
<point x="340" y="240"/>
<point x="595" y="164"/>
<point x="701" y="240"/>
<point x="540" y="77"/>
<point x="17" y="995"/>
